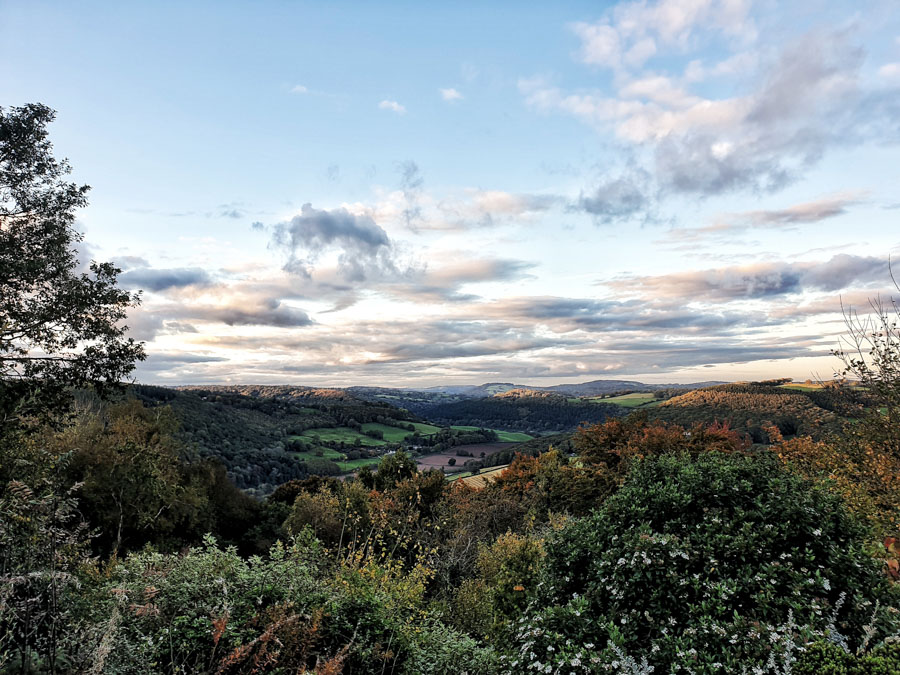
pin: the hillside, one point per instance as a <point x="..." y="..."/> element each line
<point x="251" y="428"/>
<point x="535" y="412"/>
<point x="750" y="406"/>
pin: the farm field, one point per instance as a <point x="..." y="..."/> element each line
<point x="395" y="434"/>
<point x="356" y="464"/>
<point x="440" y="460"/>
<point x="327" y="453"/>
<point x="482" y="479"/>
<point x="338" y="434"/>
<point x="634" y="400"/>
<point x="502" y="436"/>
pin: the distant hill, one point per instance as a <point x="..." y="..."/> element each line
<point x="602" y="387"/>
<point x="750" y="406"/>
<point x="248" y="427"/>
<point x="422" y="401"/>
<point x="534" y="412"/>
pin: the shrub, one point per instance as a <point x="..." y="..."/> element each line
<point x="698" y="561"/>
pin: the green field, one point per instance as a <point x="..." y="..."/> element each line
<point x="802" y="387"/>
<point x="630" y="400"/>
<point x="327" y="453"/>
<point x="395" y="434"/>
<point x="502" y="436"/>
<point x="338" y="434"/>
<point x="354" y="464"/>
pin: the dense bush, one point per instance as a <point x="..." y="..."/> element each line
<point x="698" y="561"/>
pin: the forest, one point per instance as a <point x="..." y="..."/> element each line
<point x="730" y="540"/>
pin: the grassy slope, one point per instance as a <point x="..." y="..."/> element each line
<point x="502" y="436"/>
<point x="338" y="434"/>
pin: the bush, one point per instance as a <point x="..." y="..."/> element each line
<point x="698" y="561"/>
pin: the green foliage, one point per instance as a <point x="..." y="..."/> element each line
<point x="439" y="650"/>
<point x="697" y="560"/>
<point x="534" y="413"/>
<point x="43" y="543"/>
<point x="752" y="405"/>
<point x="827" y="658"/>
<point x="60" y="327"/>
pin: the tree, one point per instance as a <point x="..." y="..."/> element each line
<point x="60" y="326"/>
<point x="870" y="353"/>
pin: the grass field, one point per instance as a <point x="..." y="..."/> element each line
<point x="354" y="464"/>
<point x="338" y="434"/>
<point x="327" y="453"/>
<point x="395" y="434"/>
<point x="634" y="400"/>
<point x="502" y="436"/>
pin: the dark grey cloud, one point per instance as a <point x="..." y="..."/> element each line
<point x="362" y="244"/>
<point x="156" y="280"/>
<point x="272" y="313"/>
<point x="618" y="198"/>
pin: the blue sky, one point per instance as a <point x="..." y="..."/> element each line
<point x="406" y="194"/>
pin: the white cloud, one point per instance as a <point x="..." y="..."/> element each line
<point x="890" y="70"/>
<point x="450" y="94"/>
<point x="632" y="32"/>
<point x="393" y="106"/>
<point x="299" y="89"/>
<point x="600" y="44"/>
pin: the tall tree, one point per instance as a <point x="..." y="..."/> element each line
<point x="61" y="325"/>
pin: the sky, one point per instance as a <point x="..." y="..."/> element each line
<point x="415" y="194"/>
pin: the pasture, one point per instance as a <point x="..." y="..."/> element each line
<point x="634" y="400"/>
<point x="502" y="436"/>
<point x="340" y="434"/>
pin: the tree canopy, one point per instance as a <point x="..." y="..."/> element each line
<point x="61" y="322"/>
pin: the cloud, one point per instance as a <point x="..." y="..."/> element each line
<point x="392" y="106"/>
<point x="361" y="244"/>
<point x="487" y="208"/>
<point x="618" y="198"/>
<point x="443" y="283"/>
<point x="299" y="89"/>
<point x="890" y="71"/>
<point x="630" y="33"/>
<point x="274" y="313"/>
<point x="758" y="281"/>
<point x="810" y="98"/>
<point x="157" y="280"/>
<point x="450" y="94"/>
<point x="790" y="217"/>
<point x="411" y="182"/>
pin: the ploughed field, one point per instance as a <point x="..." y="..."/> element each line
<point x="441" y="460"/>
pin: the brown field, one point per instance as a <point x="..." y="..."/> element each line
<point x="439" y="460"/>
<point x="483" y="478"/>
